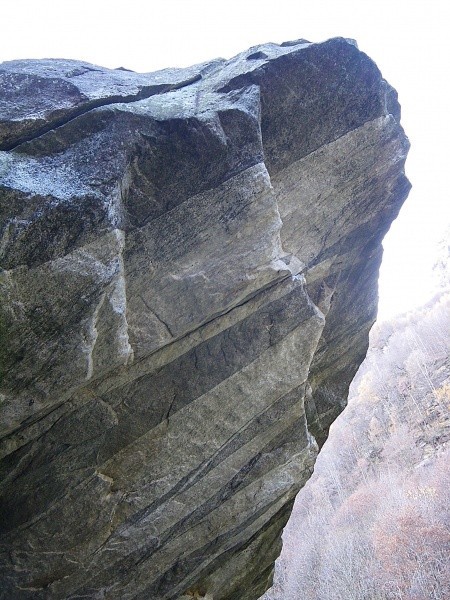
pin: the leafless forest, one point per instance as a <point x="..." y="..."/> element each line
<point x="373" y="523"/>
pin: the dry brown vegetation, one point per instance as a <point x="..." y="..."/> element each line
<point x="373" y="523"/>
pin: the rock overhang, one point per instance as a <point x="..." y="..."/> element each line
<point x="189" y="276"/>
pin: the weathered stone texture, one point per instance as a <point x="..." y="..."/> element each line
<point x="190" y="264"/>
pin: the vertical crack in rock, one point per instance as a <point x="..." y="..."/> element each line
<point x="189" y="275"/>
<point x="92" y="336"/>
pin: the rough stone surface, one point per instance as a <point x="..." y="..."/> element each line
<point x="189" y="274"/>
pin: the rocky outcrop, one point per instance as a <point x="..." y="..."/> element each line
<point x="189" y="275"/>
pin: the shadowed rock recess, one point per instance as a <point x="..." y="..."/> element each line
<point x="189" y="274"/>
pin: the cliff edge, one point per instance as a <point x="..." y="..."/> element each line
<point x="189" y="275"/>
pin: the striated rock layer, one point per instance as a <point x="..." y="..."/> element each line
<point x="190" y="264"/>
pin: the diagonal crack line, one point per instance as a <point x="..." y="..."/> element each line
<point x="152" y="310"/>
<point x="145" y="92"/>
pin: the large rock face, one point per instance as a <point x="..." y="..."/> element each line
<point x="189" y="275"/>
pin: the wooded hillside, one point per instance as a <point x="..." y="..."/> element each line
<point x="373" y="523"/>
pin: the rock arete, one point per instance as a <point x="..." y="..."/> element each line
<point x="189" y="274"/>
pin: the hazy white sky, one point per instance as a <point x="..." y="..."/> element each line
<point x="408" y="39"/>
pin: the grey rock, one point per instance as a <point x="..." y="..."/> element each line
<point x="189" y="274"/>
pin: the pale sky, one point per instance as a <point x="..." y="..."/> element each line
<point x="408" y="39"/>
